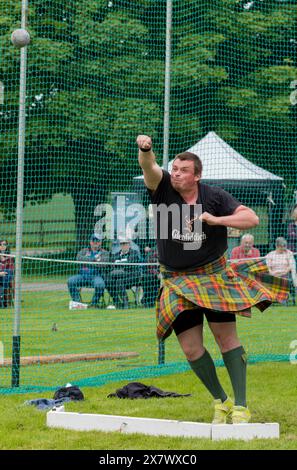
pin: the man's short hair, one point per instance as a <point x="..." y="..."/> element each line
<point x="281" y="241"/>
<point x="247" y="235"/>
<point x="191" y="157"/>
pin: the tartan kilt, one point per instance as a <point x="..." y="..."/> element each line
<point x="233" y="286"/>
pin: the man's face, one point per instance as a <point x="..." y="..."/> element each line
<point x="183" y="176"/>
<point x="247" y="243"/>
<point x="281" y="248"/>
<point x="125" y="247"/>
<point x="95" y="245"/>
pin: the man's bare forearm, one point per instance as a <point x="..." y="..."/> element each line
<point x="152" y="172"/>
<point x="243" y="220"/>
<point x="146" y="159"/>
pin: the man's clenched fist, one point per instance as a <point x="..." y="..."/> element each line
<point x="144" y="142"/>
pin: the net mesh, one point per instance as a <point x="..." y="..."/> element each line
<point x="95" y="80"/>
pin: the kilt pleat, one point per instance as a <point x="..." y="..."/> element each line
<point x="233" y="286"/>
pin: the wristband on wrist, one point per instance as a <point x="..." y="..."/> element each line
<point x="146" y="150"/>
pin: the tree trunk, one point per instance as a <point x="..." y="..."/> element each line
<point x="86" y="196"/>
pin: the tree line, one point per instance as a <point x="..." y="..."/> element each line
<point x="95" y="80"/>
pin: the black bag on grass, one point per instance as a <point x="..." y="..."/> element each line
<point x="73" y="392"/>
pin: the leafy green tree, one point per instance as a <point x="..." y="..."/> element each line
<point x="82" y="118"/>
<point x="96" y="80"/>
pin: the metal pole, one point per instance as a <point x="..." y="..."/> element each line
<point x="15" y="378"/>
<point x="161" y="344"/>
<point x="167" y="84"/>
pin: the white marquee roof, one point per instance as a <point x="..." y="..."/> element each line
<point x="221" y="162"/>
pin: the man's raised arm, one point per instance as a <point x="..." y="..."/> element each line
<point x="152" y="172"/>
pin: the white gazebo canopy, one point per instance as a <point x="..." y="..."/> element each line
<point x="221" y="162"/>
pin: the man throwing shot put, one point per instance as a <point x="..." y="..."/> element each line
<point x="191" y="220"/>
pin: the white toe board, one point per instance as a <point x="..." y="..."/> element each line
<point x="58" y="418"/>
<point x="127" y="424"/>
<point x="245" y="431"/>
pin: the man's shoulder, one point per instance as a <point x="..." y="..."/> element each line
<point x="162" y="189"/>
<point x="166" y="179"/>
<point x="84" y="251"/>
<point x="212" y="192"/>
<point x="235" y="252"/>
<point x="133" y="253"/>
<point x="271" y="253"/>
<point x="211" y="189"/>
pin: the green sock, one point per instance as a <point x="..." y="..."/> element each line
<point x="205" y="369"/>
<point x="235" y="362"/>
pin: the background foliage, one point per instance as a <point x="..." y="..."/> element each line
<point x="96" y="80"/>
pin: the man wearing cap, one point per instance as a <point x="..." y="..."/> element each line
<point x="123" y="277"/>
<point x="89" y="275"/>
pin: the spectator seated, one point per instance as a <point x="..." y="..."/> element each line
<point x="90" y="275"/>
<point x="124" y="275"/>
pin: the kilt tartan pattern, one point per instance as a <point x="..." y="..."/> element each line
<point x="222" y="286"/>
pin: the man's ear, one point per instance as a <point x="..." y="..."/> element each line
<point x="198" y="177"/>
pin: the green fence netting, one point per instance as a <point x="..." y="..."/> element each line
<point x="95" y="80"/>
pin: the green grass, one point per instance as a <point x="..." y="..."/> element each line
<point x="271" y="398"/>
<point x="264" y="336"/>
<point x="272" y="387"/>
<point x="87" y="331"/>
<point x="60" y="207"/>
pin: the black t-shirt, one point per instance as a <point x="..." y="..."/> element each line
<point x="190" y="244"/>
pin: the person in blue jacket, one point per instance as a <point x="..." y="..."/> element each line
<point x="90" y="275"/>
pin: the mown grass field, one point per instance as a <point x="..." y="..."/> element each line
<point x="42" y="218"/>
<point x="265" y="336"/>
<point x="272" y="390"/>
<point x="272" y="386"/>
